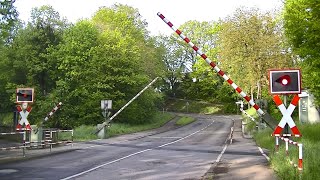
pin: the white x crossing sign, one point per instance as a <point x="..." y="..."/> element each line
<point x="24" y="112"/>
<point x="286" y="116"/>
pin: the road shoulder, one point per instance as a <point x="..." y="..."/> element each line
<point x="241" y="160"/>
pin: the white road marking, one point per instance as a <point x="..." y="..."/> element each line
<point x="156" y="137"/>
<point x="267" y="157"/>
<point x="133" y="154"/>
<point x="222" y="152"/>
<point x="230" y="137"/>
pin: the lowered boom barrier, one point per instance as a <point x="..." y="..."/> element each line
<point x="268" y="119"/>
<point x="121" y="109"/>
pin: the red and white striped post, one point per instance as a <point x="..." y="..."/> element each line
<point x="212" y="64"/>
<point x="299" y="145"/>
<point x="287" y="146"/>
<point x="277" y="143"/>
<point x="300" y="157"/>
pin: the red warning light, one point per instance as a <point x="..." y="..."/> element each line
<point x="284" y="80"/>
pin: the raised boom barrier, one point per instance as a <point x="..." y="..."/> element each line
<point x="121" y="109"/>
<point x="264" y="115"/>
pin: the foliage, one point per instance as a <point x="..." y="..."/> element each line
<point x="190" y="106"/>
<point x="9" y="18"/>
<point x="100" y="58"/>
<point x="250" y="42"/>
<point x="304" y="39"/>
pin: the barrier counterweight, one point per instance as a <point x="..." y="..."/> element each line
<point x="212" y="64"/>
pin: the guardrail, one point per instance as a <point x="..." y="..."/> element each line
<point x="287" y="142"/>
<point x="23" y="147"/>
<point x="48" y="141"/>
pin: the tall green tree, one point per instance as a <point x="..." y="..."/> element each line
<point x="8" y="23"/>
<point x="250" y="43"/>
<point x="105" y="58"/>
<point x="301" y="22"/>
<point x="8" y="18"/>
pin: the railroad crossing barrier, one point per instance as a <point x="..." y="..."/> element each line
<point x="23" y="133"/>
<point x="50" y="139"/>
<point x="267" y="118"/>
<point x="290" y="142"/>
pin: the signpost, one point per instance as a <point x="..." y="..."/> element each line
<point x="23" y="97"/>
<point x="284" y="82"/>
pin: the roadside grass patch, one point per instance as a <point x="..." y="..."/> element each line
<point x="185" y="106"/>
<point x="184" y="121"/>
<point x="122" y="128"/>
<point x="84" y="133"/>
<point x="280" y="162"/>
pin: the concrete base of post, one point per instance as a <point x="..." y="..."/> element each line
<point x="102" y="133"/>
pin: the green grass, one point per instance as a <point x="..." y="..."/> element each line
<point x="184" y="121"/>
<point x="84" y="133"/>
<point x="122" y="128"/>
<point x="180" y="105"/>
<point x="280" y="162"/>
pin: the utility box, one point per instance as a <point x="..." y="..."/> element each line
<point x="36" y="135"/>
<point x="102" y="133"/>
<point x="308" y="113"/>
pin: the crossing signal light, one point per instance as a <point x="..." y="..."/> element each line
<point x="286" y="81"/>
<point x="25" y="95"/>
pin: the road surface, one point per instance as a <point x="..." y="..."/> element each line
<point x="184" y="153"/>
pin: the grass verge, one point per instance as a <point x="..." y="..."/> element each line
<point x="281" y="162"/>
<point x="185" y="106"/>
<point x="85" y="133"/>
<point x="122" y="128"/>
<point x="184" y="121"/>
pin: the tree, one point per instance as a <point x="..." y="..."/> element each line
<point x="8" y="18"/>
<point x="250" y="43"/>
<point x="105" y="58"/>
<point x="301" y="23"/>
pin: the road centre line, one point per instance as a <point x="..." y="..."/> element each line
<point x="133" y="154"/>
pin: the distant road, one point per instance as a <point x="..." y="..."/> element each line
<point x="184" y="153"/>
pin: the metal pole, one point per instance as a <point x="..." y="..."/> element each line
<point x="24" y="143"/>
<point x="135" y="97"/>
<point x="51" y="140"/>
<point x="286" y="127"/>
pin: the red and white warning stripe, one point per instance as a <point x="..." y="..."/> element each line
<point x="12" y="148"/>
<point x="12" y="133"/>
<point x="286" y="116"/>
<point x="53" y="111"/>
<point x="212" y="64"/>
<point x="299" y="145"/>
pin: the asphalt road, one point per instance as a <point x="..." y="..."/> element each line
<point x="184" y="153"/>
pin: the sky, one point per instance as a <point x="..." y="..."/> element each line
<point x="177" y="11"/>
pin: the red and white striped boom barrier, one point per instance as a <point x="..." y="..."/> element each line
<point x="53" y="111"/>
<point x="121" y="109"/>
<point x="217" y="69"/>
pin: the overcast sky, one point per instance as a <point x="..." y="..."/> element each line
<point x="177" y="11"/>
